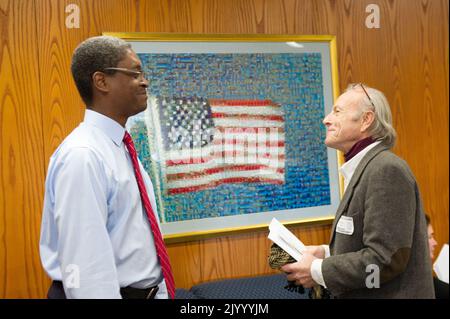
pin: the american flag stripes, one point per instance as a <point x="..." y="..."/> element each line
<point x="212" y="142"/>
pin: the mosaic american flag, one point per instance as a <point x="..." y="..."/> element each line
<point x="210" y="142"/>
<point x="291" y="81"/>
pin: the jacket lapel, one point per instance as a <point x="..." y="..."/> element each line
<point x="348" y="194"/>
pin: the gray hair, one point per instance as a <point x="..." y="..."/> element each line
<point x="381" y="128"/>
<point x="92" y="55"/>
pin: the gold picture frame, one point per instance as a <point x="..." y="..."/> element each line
<point x="179" y="55"/>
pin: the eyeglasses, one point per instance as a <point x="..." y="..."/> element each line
<point x="367" y="94"/>
<point x="136" y="74"/>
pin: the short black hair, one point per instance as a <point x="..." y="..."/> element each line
<point x="92" y="55"/>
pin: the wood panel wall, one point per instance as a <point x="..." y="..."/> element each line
<point x="407" y="58"/>
<point x="22" y="161"/>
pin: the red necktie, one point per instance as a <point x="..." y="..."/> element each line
<point x="159" y="244"/>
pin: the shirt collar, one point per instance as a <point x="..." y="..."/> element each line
<point x="348" y="168"/>
<point x="111" y="128"/>
<point x="358" y="147"/>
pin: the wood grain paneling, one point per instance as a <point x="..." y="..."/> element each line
<point x="186" y="263"/>
<point x="21" y="153"/>
<point x="407" y="58"/>
<point x="236" y="256"/>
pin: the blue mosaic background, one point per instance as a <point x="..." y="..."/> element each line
<point x="292" y="80"/>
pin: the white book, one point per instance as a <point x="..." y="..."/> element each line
<point x="441" y="264"/>
<point x="281" y="236"/>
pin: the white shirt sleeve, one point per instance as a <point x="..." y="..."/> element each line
<point x="316" y="272"/>
<point x="327" y="250"/>
<point x="84" y="248"/>
<point x="316" y="267"/>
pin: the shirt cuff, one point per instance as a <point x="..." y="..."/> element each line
<point x="327" y="250"/>
<point x="316" y="272"/>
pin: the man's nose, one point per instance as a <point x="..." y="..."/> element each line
<point x="145" y="82"/>
<point x="326" y="120"/>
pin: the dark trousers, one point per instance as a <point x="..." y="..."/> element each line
<point x="56" y="291"/>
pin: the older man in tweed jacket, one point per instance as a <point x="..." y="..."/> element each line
<point x="378" y="246"/>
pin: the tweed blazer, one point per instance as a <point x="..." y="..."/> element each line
<point x="389" y="240"/>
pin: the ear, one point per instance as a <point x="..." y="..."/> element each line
<point x="367" y="120"/>
<point x="100" y="82"/>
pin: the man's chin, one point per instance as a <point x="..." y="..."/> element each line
<point x="138" y="109"/>
<point x="329" y="143"/>
<point x="142" y="107"/>
<point x="333" y="145"/>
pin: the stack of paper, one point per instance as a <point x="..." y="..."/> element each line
<point x="441" y="264"/>
<point x="281" y="236"/>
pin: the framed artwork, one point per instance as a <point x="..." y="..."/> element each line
<point x="233" y="133"/>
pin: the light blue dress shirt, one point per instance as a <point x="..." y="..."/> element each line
<point x="95" y="235"/>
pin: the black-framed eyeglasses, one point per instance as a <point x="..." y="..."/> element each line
<point x="136" y="74"/>
<point x="364" y="89"/>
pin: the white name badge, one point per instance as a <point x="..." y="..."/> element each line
<point x="345" y="225"/>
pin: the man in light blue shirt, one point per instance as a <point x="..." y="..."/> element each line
<point x="96" y="240"/>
